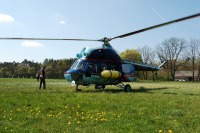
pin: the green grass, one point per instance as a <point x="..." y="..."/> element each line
<point x="151" y="107"/>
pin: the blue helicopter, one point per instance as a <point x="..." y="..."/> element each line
<point x="102" y="66"/>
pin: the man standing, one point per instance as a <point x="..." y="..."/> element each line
<point x="42" y="78"/>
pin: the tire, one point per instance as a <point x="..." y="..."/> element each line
<point x="99" y="86"/>
<point x="103" y="86"/>
<point x="127" y="88"/>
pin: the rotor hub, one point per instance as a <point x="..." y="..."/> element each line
<point x="105" y="41"/>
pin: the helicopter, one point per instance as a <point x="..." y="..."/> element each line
<point x="102" y="66"/>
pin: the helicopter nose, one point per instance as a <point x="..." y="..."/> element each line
<point x="73" y="75"/>
<point x="68" y="76"/>
<point x="77" y="76"/>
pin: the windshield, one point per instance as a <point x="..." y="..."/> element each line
<point x="79" y="64"/>
<point x="74" y="64"/>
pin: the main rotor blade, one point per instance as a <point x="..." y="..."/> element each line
<point x="157" y="26"/>
<point x="52" y="39"/>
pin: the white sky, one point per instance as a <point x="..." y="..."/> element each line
<point x="89" y="19"/>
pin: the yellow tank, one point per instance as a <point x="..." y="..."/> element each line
<point x="111" y="74"/>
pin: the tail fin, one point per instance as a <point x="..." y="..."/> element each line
<point x="159" y="67"/>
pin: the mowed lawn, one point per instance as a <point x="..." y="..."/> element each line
<point x="153" y="107"/>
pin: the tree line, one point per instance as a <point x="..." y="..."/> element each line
<point x="27" y="69"/>
<point x="180" y="55"/>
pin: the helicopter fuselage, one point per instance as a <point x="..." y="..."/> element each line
<point x="88" y="68"/>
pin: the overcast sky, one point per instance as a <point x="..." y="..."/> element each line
<point x="89" y="19"/>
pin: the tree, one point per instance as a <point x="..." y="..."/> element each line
<point x="22" y="70"/>
<point x="192" y="51"/>
<point x="163" y="55"/>
<point x="131" y="54"/>
<point x="171" y="50"/>
<point x="148" y="57"/>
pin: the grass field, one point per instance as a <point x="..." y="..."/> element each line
<point x="152" y="107"/>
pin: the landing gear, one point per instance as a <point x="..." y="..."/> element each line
<point x="99" y="86"/>
<point x="127" y="87"/>
<point x="77" y="89"/>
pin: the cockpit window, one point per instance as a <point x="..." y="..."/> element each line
<point x="79" y="65"/>
<point x="74" y="64"/>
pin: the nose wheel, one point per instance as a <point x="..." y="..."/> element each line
<point x="77" y="89"/>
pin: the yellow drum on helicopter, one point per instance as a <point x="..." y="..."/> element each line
<point x="111" y="74"/>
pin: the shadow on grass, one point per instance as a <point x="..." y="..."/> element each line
<point x="192" y="94"/>
<point x="140" y="90"/>
<point x="170" y="93"/>
<point x="149" y="90"/>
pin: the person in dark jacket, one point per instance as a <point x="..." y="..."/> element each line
<point x="42" y="78"/>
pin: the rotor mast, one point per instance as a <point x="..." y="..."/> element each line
<point x="105" y="41"/>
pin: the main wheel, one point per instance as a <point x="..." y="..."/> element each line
<point x="127" y="88"/>
<point x="99" y="86"/>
